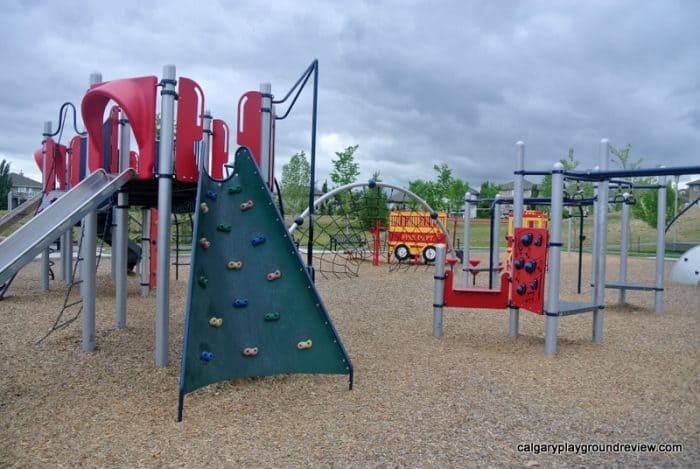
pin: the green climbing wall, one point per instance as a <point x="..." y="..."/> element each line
<point x="252" y="309"/>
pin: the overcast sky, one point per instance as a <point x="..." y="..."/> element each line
<point x="413" y="83"/>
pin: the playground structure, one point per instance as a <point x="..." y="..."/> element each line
<point x="527" y="286"/>
<point x="252" y="308"/>
<point x="338" y="246"/>
<point x="164" y="173"/>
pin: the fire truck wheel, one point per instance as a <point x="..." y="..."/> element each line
<point x="429" y="254"/>
<point x="401" y="252"/>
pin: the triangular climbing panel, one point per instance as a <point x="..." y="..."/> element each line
<point x="252" y="309"/>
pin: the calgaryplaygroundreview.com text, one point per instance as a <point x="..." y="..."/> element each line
<point x="586" y="448"/>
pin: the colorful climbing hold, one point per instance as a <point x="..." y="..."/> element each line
<point x="304" y="344"/>
<point x="211" y="195"/>
<point x="223" y="227"/>
<point x="234" y="265"/>
<point x="273" y="316"/>
<point x="215" y="322"/>
<point x="204" y="207"/>
<point x="274" y="275"/>
<point x="206" y="356"/>
<point x="204" y="242"/>
<point x="234" y="189"/>
<point x="530" y="266"/>
<point x="246" y="205"/>
<point x="240" y="303"/>
<point x="250" y="351"/>
<point x="203" y="281"/>
<point x="257" y="241"/>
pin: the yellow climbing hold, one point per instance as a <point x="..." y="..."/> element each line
<point x="304" y="344"/>
<point x="215" y="322"/>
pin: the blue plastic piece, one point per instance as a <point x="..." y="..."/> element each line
<point x="258" y="240"/>
<point x="206" y="356"/>
<point x="240" y="303"/>
<point x="211" y="195"/>
<point x="530" y="266"/>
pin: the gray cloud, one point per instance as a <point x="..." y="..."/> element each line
<point x="413" y="83"/>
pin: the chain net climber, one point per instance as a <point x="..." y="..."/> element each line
<point x="369" y="224"/>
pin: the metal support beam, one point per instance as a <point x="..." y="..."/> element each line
<point x="165" y="168"/>
<point x="514" y="313"/>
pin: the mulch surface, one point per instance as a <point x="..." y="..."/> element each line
<point x="473" y="397"/>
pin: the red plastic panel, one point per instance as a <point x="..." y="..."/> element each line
<point x="111" y="161"/>
<point x="137" y="97"/>
<point x="74" y="161"/>
<point x="60" y="156"/>
<point x="250" y="123"/>
<point x="190" y="111"/>
<point x="476" y="297"/>
<point x="529" y="268"/>
<point x="50" y="175"/>
<point x="219" y="148"/>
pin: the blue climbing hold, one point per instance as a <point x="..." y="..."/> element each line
<point x="206" y="356"/>
<point x="258" y="240"/>
<point x="211" y="195"/>
<point x="240" y="303"/>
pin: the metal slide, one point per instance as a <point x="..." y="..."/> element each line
<point x="36" y="235"/>
<point x="16" y="213"/>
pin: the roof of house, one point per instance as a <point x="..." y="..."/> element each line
<point x="20" y="180"/>
<point x="508" y="186"/>
<point x="694" y="183"/>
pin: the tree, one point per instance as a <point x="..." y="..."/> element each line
<point x="345" y="171"/>
<point x="621" y="157"/>
<point x="445" y="193"/>
<point x="573" y="189"/>
<point x="373" y="205"/>
<point x="296" y="176"/>
<point x="5" y="183"/>
<point x="646" y="202"/>
<point x="426" y="190"/>
<point x="488" y="190"/>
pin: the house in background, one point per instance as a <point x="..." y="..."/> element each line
<point x="22" y="189"/>
<point x="507" y="189"/>
<point x="693" y="190"/>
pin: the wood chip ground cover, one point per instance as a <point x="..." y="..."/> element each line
<point x="470" y="398"/>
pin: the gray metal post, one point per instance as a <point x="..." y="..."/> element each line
<point x="67" y="243"/>
<point x="206" y="141"/>
<point x="67" y="255"/>
<point x="88" y="265"/>
<point x="602" y="243"/>
<point x="660" y="247"/>
<point x="165" y="168"/>
<point x="266" y="143"/>
<point x="145" y="251"/>
<point x="624" y="244"/>
<point x="439" y="292"/>
<point x="495" y="252"/>
<point x="45" y="261"/>
<point x="465" y="250"/>
<point x="675" y="212"/>
<point x="514" y="313"/>
<point x="121" y="232"/>
<point x="594" y="242"/>
<point x="568" y="230"/>
<point x="88" y="272"/>
<point x="552" y="309"/>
